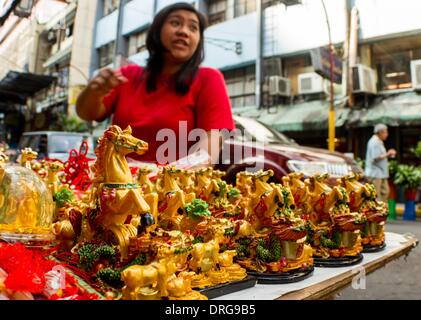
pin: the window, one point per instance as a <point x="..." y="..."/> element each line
<point x="392" y="59"/>
<point x="62" y="74"/>
<point x="292" y="67"/>
<point x="137" y="42"/>
<point x="243" y="7"/>
<point x="394" y="71"/>
<point x="106" y="54"/>
<point x="110" y="6"/>
<point x="217" y="11"/>
<point x="69" y="30"/>
<point x="241" y="86"/>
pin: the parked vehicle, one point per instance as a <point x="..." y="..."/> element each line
<point x="265" y="148"/>
<point x="55" y="144"/>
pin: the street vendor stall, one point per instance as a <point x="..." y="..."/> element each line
<point x="186" y="235"/>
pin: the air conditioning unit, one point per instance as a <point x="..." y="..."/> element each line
<point x="311" y="83"/>
<point x="279" y="86"/>
<point x="364" y="79"/>
<point x="416" y="74"/>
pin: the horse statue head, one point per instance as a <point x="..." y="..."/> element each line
<point x="111" y="164"/>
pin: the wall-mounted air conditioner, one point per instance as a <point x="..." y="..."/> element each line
<point x="279" y="86"/>
<point x="311" y="83"/>
<point x="416" y="74"/>
<point x="364" y="79"/>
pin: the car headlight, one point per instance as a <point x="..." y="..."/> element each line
<point x="311" y="168"/>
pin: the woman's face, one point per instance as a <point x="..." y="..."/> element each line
<point x="180" y="35"/>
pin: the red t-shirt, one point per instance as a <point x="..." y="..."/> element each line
<point x="205" y="106"/>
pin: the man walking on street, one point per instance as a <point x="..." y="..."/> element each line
<point x="376" y="167"/>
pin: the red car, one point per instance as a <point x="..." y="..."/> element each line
<point x="261" y="147"/>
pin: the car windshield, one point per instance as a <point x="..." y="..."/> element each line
<point x="253" y="130"/>
<point x="65" y="143"/>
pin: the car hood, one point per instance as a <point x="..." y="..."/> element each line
<point x="311" y="154"/>
<point x="297" y="152"/>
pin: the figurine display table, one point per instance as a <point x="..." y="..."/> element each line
<point x="188" y="235"/>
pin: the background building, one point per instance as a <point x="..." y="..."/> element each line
<point x="295" y="100"/>
<point x="65" y="52"/>
<point x="19" y="74"/>
<point x="273" y="42"/>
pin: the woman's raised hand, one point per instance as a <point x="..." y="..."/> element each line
<point x="106" y="80"/>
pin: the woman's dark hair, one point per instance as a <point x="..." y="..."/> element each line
<point x="184" y="77"/>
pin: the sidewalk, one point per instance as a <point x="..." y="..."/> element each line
<point x="399" y="279"/>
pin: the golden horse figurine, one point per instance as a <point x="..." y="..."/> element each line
<point x="156" y="281"/>
<point x="264" y="200"/>
<point x="206" y="187"/>
<point x="217" y="175"/>
<point x="226" y="202"/>
<point x="53" y="181"/>
<point x="3" y="157"/>
<point x="172" y="198"/>
<point x="185" y="180"/>
<point x="243" y="183"/>
<point x="3" y="160"/>
<point x="321" y="198"/>
<point x="299" y="191"/>
<point x="2" y="174"/>
<point x="27" y="156"/>
<point x="363" y="198"/>
<point x="144" y="181"/>
<point x="333" y="219"/>
<point x="123" y="209"/>
<point x="205" y="257"/>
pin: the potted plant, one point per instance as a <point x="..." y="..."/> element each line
<point x="417" y="150"/>
<point x="409" y="178"/>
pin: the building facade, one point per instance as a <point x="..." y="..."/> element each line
<point x="19" y="44"/>
<point x="379" y="43"/>
<point x="65" y="52"/>
<point x="294" y="97"/>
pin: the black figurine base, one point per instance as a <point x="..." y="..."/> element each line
<point x="332" y="262"/>
<point x="229" y="287"/>
<point x="285" y="277"/>
<point x="370" y="249"/>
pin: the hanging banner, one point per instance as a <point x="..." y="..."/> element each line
<point x="320" y="59"/>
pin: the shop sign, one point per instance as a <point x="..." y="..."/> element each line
<point x="320" y="59"/>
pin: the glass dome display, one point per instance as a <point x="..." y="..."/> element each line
<point x="26" y="207"/>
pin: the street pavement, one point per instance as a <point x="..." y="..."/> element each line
<point x="399" y="279"/>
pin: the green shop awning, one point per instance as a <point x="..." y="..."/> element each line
<point x="401" y="109"/>
<point x="312" y="115"/>
<point x="247" y="112"/>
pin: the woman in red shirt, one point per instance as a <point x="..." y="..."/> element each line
<point x="169" y="98"/>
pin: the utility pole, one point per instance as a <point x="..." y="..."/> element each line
<point x="259" y="56"/>
<point x="119" y="48"/>
<point x="353" y="53"/>
<point x="331" y="104"/>
<point x="345" y="57"/>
